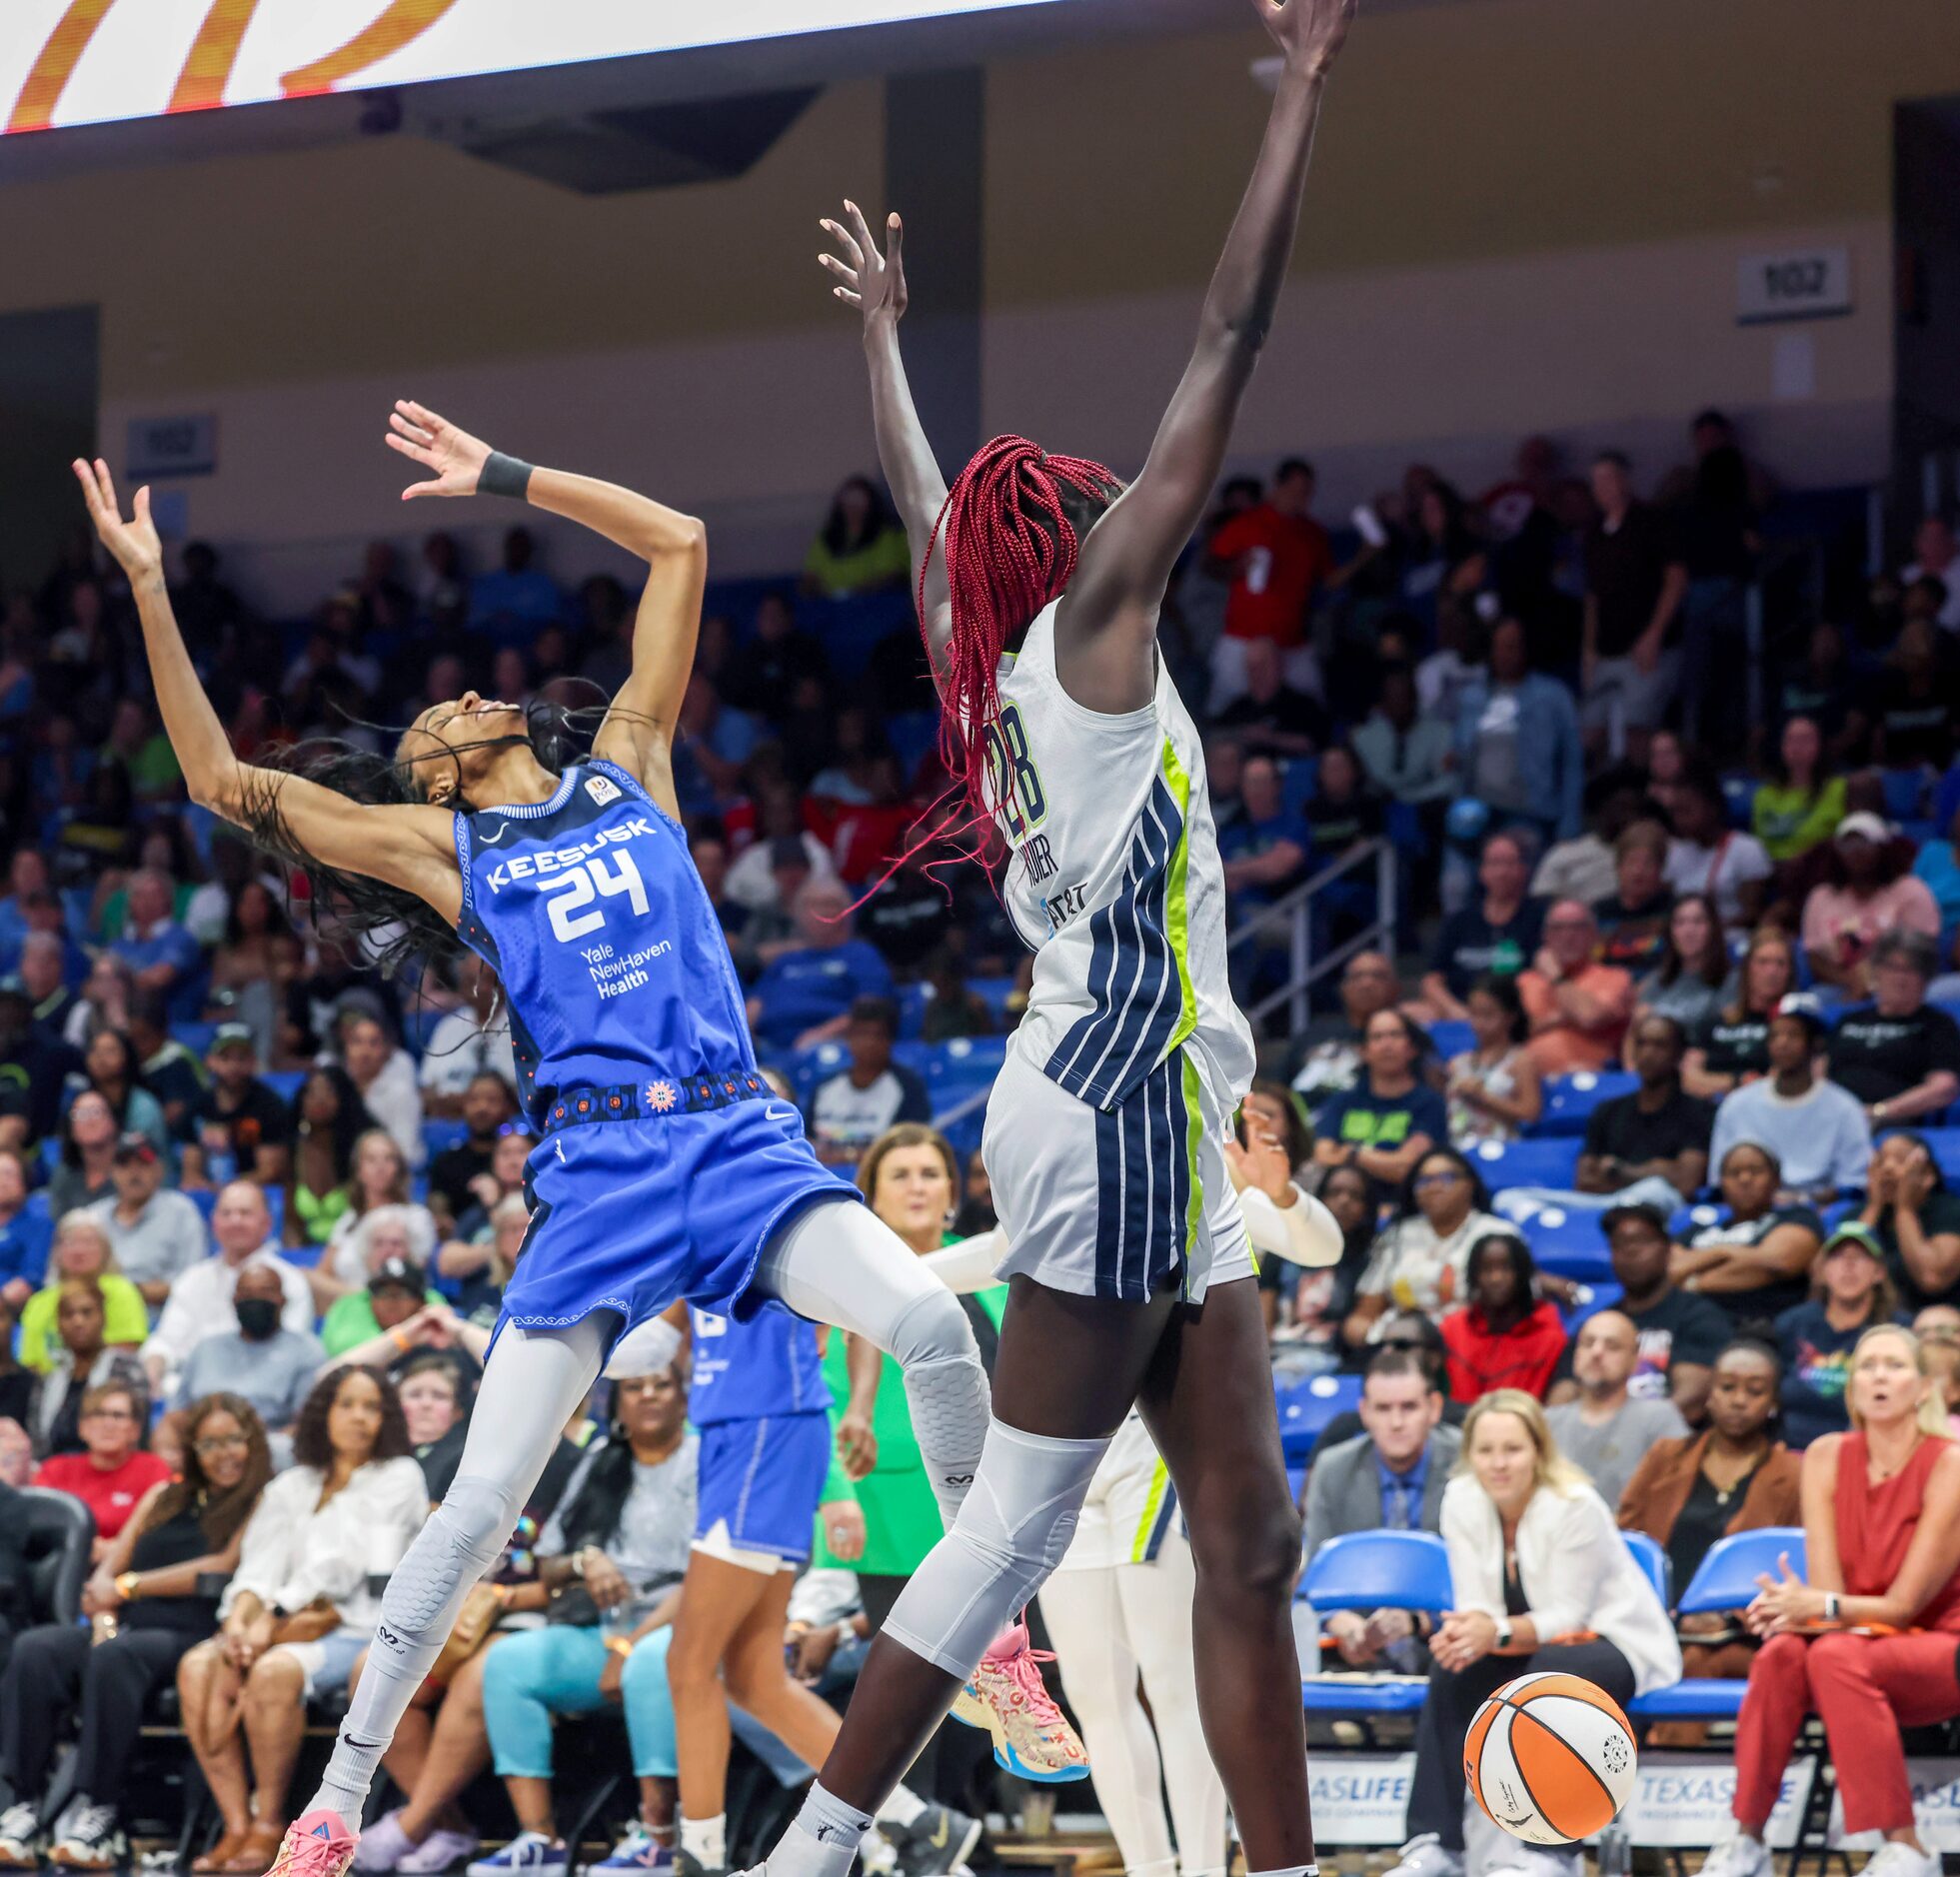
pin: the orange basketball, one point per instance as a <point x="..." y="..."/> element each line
<point x="1549" y="1758"/>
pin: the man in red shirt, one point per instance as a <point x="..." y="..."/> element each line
<point x="1278" y="555"/>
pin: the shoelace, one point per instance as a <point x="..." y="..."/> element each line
<point x="19" y="1821"/>
<point x="1023" y="1669"/>
<point x="316" y="1857"/>
<point x="92" y="1822"/>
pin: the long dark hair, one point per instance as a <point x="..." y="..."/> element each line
<point x="1714" y="968"/>
<point x="351" y="1120"/>
<point x="313" y="1447"/>
<point x="594" y="1516"/>
<point x="221" y="1513"/>
<point x="396" y="925"/>
<point x="1405" y="1206"/>
<point x="836" y="529"/>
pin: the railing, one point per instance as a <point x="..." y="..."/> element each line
<point x="1293" y="916"/>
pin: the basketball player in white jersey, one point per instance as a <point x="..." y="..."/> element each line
<point x="1128" y="1263"/>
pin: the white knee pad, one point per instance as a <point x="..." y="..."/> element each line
<point x="1012" y="1532"/>
<point x="459" y="1543"/>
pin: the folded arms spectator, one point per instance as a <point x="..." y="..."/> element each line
<point x="1755" y="1260"/>
<point x="1577" y="1007"/>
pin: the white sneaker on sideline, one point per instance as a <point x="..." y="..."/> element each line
<point x="1425" y="1857"/>
<point x="1736" y="1854"/>
<point x="1901" y="1860"/>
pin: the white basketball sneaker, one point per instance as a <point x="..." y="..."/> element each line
<point x="1736" y="1854"/>
<point x="1425" y="1857"/>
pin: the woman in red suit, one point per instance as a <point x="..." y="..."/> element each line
<point x="1869" y="1641"/>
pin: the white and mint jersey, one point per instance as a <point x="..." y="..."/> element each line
<point x="1115" y="881"/>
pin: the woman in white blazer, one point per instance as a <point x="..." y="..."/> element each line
<point x="1544" y="1582"/>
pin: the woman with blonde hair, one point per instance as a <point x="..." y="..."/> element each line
<point x="1544" y="1583"/>
<point x="1866" y="1637"/>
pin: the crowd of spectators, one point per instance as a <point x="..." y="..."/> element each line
<point x="258" y="1203"/>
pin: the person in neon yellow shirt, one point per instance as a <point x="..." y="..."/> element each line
<point x="859" y="548"/>
<point x="1801" y="806"/>
<point x="82" y="1249"/>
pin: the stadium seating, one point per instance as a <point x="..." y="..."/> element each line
<point x="1503" y="1163"/>
<point x="1305" y="1407"/>
<point x="1375" y="1571"/>
<point x="1726" y="1580"/>
<point x="1570" y="1100"/>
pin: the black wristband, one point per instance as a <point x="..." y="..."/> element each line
<point x="504" y="476"/>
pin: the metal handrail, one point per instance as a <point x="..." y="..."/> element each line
<point x="1294" y="910"/>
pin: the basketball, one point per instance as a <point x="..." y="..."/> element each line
<point x="1549" y="1758"/>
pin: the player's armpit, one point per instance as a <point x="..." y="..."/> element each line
<point x="407" y="844"/>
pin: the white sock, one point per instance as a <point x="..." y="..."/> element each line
<point x="823" y="1842"/>
<point x="1289" y="1870"/>
<point x="904" y="1809"/>
<point x="706" y="1840"/>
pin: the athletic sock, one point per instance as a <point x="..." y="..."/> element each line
<point x="1289" y="1870"/>
<point x="904" y="1809"/>
<point x="706" y="1840"/>
<point x="823" y="1842"/>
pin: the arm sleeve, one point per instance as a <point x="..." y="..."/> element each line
<point x="968" y="1265"/>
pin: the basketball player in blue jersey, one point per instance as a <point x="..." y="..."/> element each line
<point x="758" y="1395"/>
<point x="1039" y="579"/>
<point x="665" y="1169"/>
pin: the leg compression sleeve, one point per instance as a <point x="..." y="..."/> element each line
<point x="1011" y="1533"/>
<point x="838" y="1264"/>
<point x="532" y="1382"/>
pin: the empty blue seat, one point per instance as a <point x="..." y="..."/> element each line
<point x="1740" y="791"/>
<point x="1505" y="1163"/>
<point x="1302" y="778"/>
<point x="1305" y="1407"/>
<point x="440" y="1137"/>
<point x="419" y="1026"/>
<point x="1945" y="1143"/>
<point x="1905" y="791"/>
<point x="1570" y="1100"/>
<point x="284" y="1082"/>
<point x="807" y="1067"/>
<point x="913" y="1000"/>
<point x="1570" y="1245"/>
<point x="1604" y="1295"/>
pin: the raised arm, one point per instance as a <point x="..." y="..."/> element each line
<point x="637" y="732"/>
<point x="875" y="283"/>
<point x="408" y="847"/>
<point x="1128" y="557"/>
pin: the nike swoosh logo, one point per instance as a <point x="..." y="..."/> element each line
<point x="777" y="1114"/>
<point x="938" y="1839"/>
<point x="490" y="840"/>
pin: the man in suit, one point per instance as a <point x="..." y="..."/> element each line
<point x="1391" y="1475"/>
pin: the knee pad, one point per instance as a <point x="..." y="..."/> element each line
<point x="1012" y="1532"/>
<point x="933" y="1328"/>
<point x="458" y="1544"/>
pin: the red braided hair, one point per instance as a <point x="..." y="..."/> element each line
<point x="1011" y="548"/>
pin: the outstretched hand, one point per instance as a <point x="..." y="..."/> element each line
<point x="454" y="455"/>
<point x="1309" y="32"/>
<point x="134" y="543"/>
<point x="867" y="279"/>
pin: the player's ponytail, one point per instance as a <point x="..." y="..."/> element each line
<point x="1013" y="527"/>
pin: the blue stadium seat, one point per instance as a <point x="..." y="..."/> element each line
<point x="284" y="1082"/>
<point x="913" y="1000"/>
<point x="993" y="992"/>
<point x="195" y="1038"/>
<point x="1740" y="791"/>
<point x="1945" y="1143"/>
<point x="1905" y="791"/>
<point x="964" y="1067"/>
<point x="1305" y="1407"/>
<point x="1302" y="778"/>
<point x="1570" y="1245"/>
<point x="1653" y="1561"/>
<point x="807" y="1067"/>
<point x="1570" y="1100"/>
<point x="1376" y="1570"/>
<point x="1505" y="1163"/>
<point x="440" y="1137"/>
<point x="1371" y="1571"/>
<point x="1725" y="1580"/>
<point x="1450" y="1038"/>
<point x="1605" y="1295"/>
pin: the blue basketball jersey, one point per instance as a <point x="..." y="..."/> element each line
<point x="749" y="1370"/>
<point x="590" y="911"/>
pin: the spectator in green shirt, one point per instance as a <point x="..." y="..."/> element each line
<point x="859" y="549"/>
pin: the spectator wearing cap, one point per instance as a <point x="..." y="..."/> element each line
<point x="1850" y="1292"/>
<point x="1678" y="1336"/>
<point x="156" y="1235"/>
<point x="471" y="1040"/>
<point x="271" y="1365"/>
<point x="162" y="953"/>
<point x="1867" y="894"/>
<point x="200" y="1301"/>
<point x="805" y="994"/>
<point x="1577" y="1008"/>
<point x="243" y="1129"/>
<point x="848" y="1111"/>
<point x="398" y="1287"/>
<point x="384" y="1073"/>
<point x="1898" y="1055"/>
<point x="1818" y="1132"/>
<point x="33" y="1065"/>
